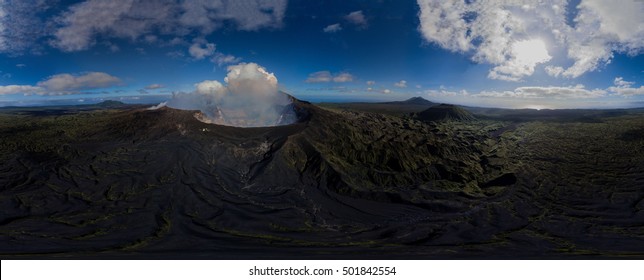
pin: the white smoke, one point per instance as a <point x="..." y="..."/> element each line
<point x="250" y="98"/>
<point x="161" y="105"/>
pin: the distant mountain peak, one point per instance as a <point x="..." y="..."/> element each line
<point x="418" y="100"/>
<point x="110" y="103"/>
<point x="414" y="101"/>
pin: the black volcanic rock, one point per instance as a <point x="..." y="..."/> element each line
<point x="444" y="112"/>
<point x="139" y="183"/>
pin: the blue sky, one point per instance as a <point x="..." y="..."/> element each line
<point x="516" y="54"/>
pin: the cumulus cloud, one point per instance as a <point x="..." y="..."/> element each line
<point x="357" y="18"/>
<point x="201" y="49"/>
<point x="620" y="82"/>
<point x="371" y="83"/>
<point x="625" y="88"/>
<point x="326" y="76"/>
<point x="71" y="83"/>
<point x="497" y="32"/>
<point x="78" y="27"/>
<point x="249" y="98"/>
<point x="332" y="28"/>
<point x="401" y="84"/>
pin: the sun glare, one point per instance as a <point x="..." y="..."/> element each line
<point x="531" y="51"/>
<point x="536" y="107"/>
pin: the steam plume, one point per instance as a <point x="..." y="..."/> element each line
<point x="250" y="98"/>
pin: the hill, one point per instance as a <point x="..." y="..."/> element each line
<point x="444" y="112"/>
<point x="413" y="101"/>
<point x="393" y="108"/>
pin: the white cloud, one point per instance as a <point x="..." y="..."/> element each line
<point x="620" y="82"/>
<point x="224" y="59"/>
<point x="83" y="20"/>
<point x="627" y="91"/>
<point x="21" y="65"/>
<point x="401" y="84"/>
<point x="625" y="88"/>
<point x="343" y="78"/>
<point x="201" y="49"/>
<point x="489" y="31"/>
<point x="20" y="89"/>
<point x="319" y="77"/>
<point x="578" y="91"/>
<point x="554" y="71"/>
<point x="77" y="28"/>
<point x="371" y="83"/>
<point x="326" y="76"/>
<point x="524" y="56"/>
<point x="62" y="84"/>
<point x="386" y="91"/>
<point x="443" y="92"/>
<point x="550" y="93"/>
<point x="154" y="86"/>
<point x="332" y="28"/>
<point x="69" y="83"/>
<point x="604" y="27"/>
<point x="357" y="18"/>
<point x="208" y="15"/>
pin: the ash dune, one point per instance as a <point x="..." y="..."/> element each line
<point x="137" y="183"/>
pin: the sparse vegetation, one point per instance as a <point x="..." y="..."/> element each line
<point x="118" y="181"/>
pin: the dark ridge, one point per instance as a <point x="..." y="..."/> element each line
<point x="444" y="112"/>
<point x="111" y="103"/>
<point x="413" y="101"/>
